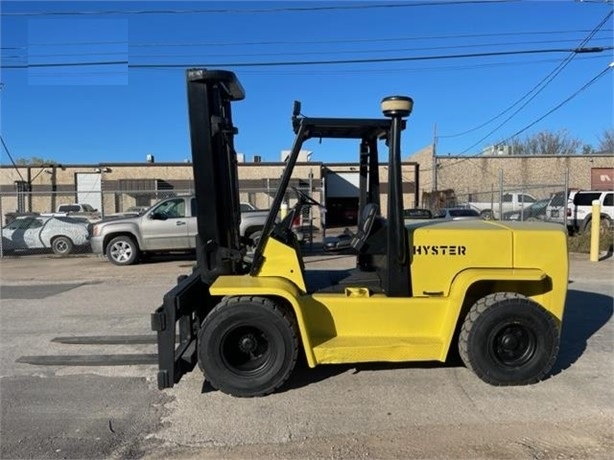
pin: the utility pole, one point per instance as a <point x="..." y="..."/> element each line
<point x="434" y="159"/>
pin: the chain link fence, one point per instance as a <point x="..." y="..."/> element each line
<point x="501" y="201"/>
<point x="507" y="201"/>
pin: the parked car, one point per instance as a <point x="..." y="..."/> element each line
<point x="132" y="211"/>
<point x="512" y="201"/>
<point x="350" y="215"/>
<point x="536" y="211"/>
<point x="339" y="242"/>
<point x="416" y="216"/>
<point x="63" y="235"/>
<point x="457" y="213"/>
<point x="138" y="210"/>
<point x="167" y="226"/>
<point x="246" y="207"/>
<point x="417" y="213"/>
<point x="78" y="210"/>
<point x="559" y="209"/>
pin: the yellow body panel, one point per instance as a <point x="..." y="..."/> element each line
<point x="546" y="249"/>
<point x="281" y="260"/>
<point x="440" y="252"/>
<point x="447" y="260"/>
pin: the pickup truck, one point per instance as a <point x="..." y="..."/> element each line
<point x="512" y="201"/>
<point x="169" y="225"/>
<point x="77" y="210"/>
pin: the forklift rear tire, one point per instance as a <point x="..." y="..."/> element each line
<point x="507" y="339"/>
<point x="248" y="346"/>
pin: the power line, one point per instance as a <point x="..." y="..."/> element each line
<point x="117" y="42"/>
<point x="372" y="60"/>
<point x="365" y="51"/>
<point x="298" y="71"/>
<point x="256" y="10"/>
<point x="301" y="42"/>
<point x="558" y="106"/>
<point x="11" y="157"/>
<point x="64" y="64"/>
<point x="549" y="112"/>
<point x="319" y="62"/>
<point x="538" y="88"/>
<point x="362" y="40"/>
<point x="285" y="53"/>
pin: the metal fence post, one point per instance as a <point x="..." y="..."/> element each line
<point x="565" y="198"/>
<point x="1" y="225"/>
<point x="500" y="194"/>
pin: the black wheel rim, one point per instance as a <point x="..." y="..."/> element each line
<point x="512" y="344"/>
<point x="245" y="350"/>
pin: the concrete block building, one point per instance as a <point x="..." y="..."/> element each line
<point x="114" y="187"/>
<point x="476" y="178"/>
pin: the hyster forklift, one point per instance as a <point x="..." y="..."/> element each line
<point x="494" y="290"/>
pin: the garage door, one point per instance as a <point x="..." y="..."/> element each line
<point x="342" y="191"/>
<point x="89" y="189"/>
<point x="342" y="185"/>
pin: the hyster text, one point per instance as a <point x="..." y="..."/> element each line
<point x="440" y="250"/>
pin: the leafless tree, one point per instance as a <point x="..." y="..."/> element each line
<point x="606" y="141"/>
<point x="546" y="143"/>
<point x="34" y="161"/>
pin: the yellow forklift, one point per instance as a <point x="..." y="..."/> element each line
<point x="495" y="290"/>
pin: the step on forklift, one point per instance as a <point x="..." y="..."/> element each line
<point x="494" y="290"/>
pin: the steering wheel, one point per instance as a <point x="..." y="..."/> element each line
<point x="306" y="198"/>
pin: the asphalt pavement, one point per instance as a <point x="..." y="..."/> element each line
<point x="343" y="411"/>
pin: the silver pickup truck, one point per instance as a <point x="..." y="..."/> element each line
<point x="169" y="225"/>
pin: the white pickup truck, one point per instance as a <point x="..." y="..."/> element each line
<point x="512" y="201"/>
<point x="169" y="225"/>
<point x="77" y="210"/>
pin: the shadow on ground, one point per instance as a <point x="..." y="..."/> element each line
<point x="585" y="314"/>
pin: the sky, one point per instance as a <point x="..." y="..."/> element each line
<point x="104" y="82"/>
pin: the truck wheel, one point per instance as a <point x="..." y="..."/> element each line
<point x="247" y="346"/>
<point x="604" y="224"/>
<point x="507" y="339"/>
<point x="61" y="245"/>
<point x="122" y="250"/>
<point x="487" y="214"/>
<point x="255" y="237"/>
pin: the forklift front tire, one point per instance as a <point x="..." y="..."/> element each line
<point x="507" y="339"/>
<point x="248" y="346"/>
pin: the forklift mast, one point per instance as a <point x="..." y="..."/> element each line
<point x="214" y="161"/>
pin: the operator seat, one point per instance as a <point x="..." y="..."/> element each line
<point x="365" y="225"/>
